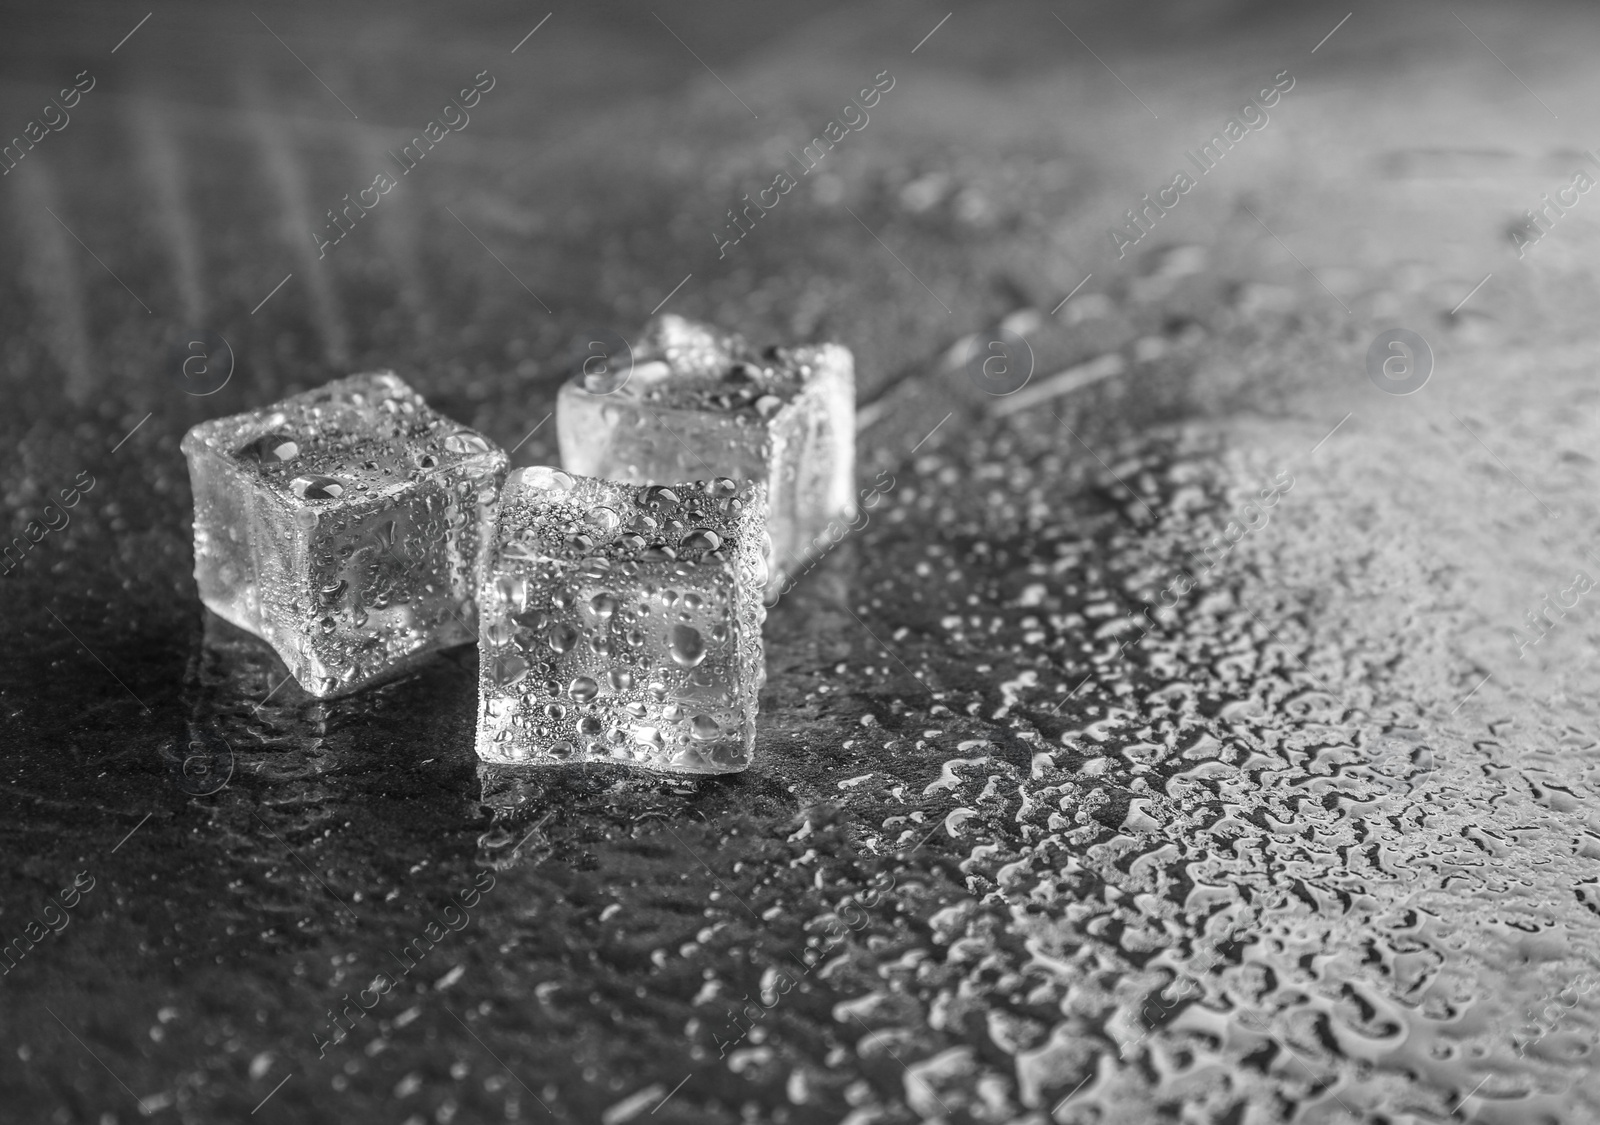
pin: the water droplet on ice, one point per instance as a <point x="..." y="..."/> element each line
<point x="603" y="605"/>
<point x="583" y="689"/>
<point x="562" y="637"/>
<point x="701" y="539"/>
<point x="661" y="497"/>
<point x="272" y="449"/>
<point x="620" y="678"/>
<point x="704" y="728"/>
<point x="687" y="646"/>
<point x="317" y="488"/>
<point x="465" y="442"/>
<point x="604" y="517"/>
<point x="514" y="591"/>
<point x="507" y="669"/>
<point x="543" y="476"/>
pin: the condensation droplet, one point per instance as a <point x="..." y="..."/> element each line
<point x="317" y="488"/>
<point x="271" y="449"/>
<point x="543" y="476"/>
<point x="562" y="637"/>
<point x="686" y="644"/>
<point x="701" y="539"/>
<point x="466" y="442"/>
<point x="507" y="669"/>
<point x="604" y="517"/>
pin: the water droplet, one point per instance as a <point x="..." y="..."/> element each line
<point x="589" y="726"/>
<point x="583" y="689"/>
<point x="621" y="679"/>
<point x="604" y="517"/>
<point x="637" y="709"/>
<point x="465" y="442"/>
<point x="721" y="488"/>
<point x="514" y="591"/>
<point x="543" y="476"/>
<point x="562" y="636"/>
<point x="701" y="539"/>
<point x="562" y="749"/>
<point x="687" y="646"/>
<point x="328" y="624"/>
<point x="704" y="728"/>
<point x="603" y="605"/>
<point x="507" y="669"/>
<point x="500" y="633"/>
<point x="271" y="449"/>
<point x="317" y="488"/>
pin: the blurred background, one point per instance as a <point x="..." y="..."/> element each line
<point x="1315" y="841"/>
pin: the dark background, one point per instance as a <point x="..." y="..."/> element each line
<point x="1327" y="788"/>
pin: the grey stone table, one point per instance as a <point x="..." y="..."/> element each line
<point x="1200" y="732"/>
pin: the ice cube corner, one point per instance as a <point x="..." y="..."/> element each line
<point x="346" y="526"/>
<point x="622" y="623"/>
<point x="695" y="402"/>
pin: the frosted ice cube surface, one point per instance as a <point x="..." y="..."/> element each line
<point x="698" y="402"/>
<point x="622" y="623"/>
<point x="347" y="527"/>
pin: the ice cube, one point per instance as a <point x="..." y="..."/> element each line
<point x="702" y="403"/>
<point x="623" y="623"/>
<point x="347" y="526"/>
